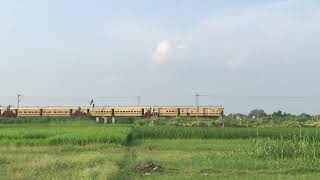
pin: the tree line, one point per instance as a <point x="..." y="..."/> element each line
<point x="260" y="113"/>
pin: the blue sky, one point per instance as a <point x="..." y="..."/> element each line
<point x="244" y="53"/>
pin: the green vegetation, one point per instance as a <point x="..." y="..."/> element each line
<point x="230" y="121"/>
<point x="213" y="159"/>
<point x="163" y="132"/>
<point x="45" y="121"/>
<point x="297" y="147"/>
<point x="78" y="148"/>
<point x="64" y="135"/>
<point x="95" y="161"/>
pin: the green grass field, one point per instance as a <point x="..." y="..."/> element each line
<point x="80" y="149"/>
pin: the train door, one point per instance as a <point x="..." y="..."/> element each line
<point x="178" y="111"/>
<point x="188" y="112"/>
<point x="205" y="111"/>
<point x="112" y="112"/>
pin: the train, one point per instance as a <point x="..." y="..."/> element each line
<point x="114" y="111"/>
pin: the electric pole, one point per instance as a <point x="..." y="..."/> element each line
<point x="197" y="102"/>
<point x="19" y="100"/>
<point x="91" y="102"/>
<point x="197" y="98"/>
<point x="139" y="100"/>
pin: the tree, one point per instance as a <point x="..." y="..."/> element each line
<point x="278" y="114"/>
<point x="257" y="113"/>
<point x="305" y="116"/>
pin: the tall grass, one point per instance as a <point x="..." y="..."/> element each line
<point x="19" y="121"/>
<point x="298" y="147"/>
<point x="64" y="135"/>
<point x="142" y="132"/>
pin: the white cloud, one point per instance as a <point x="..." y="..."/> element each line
<point x="162" y="51"/>
<point x="279" y="33"/>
